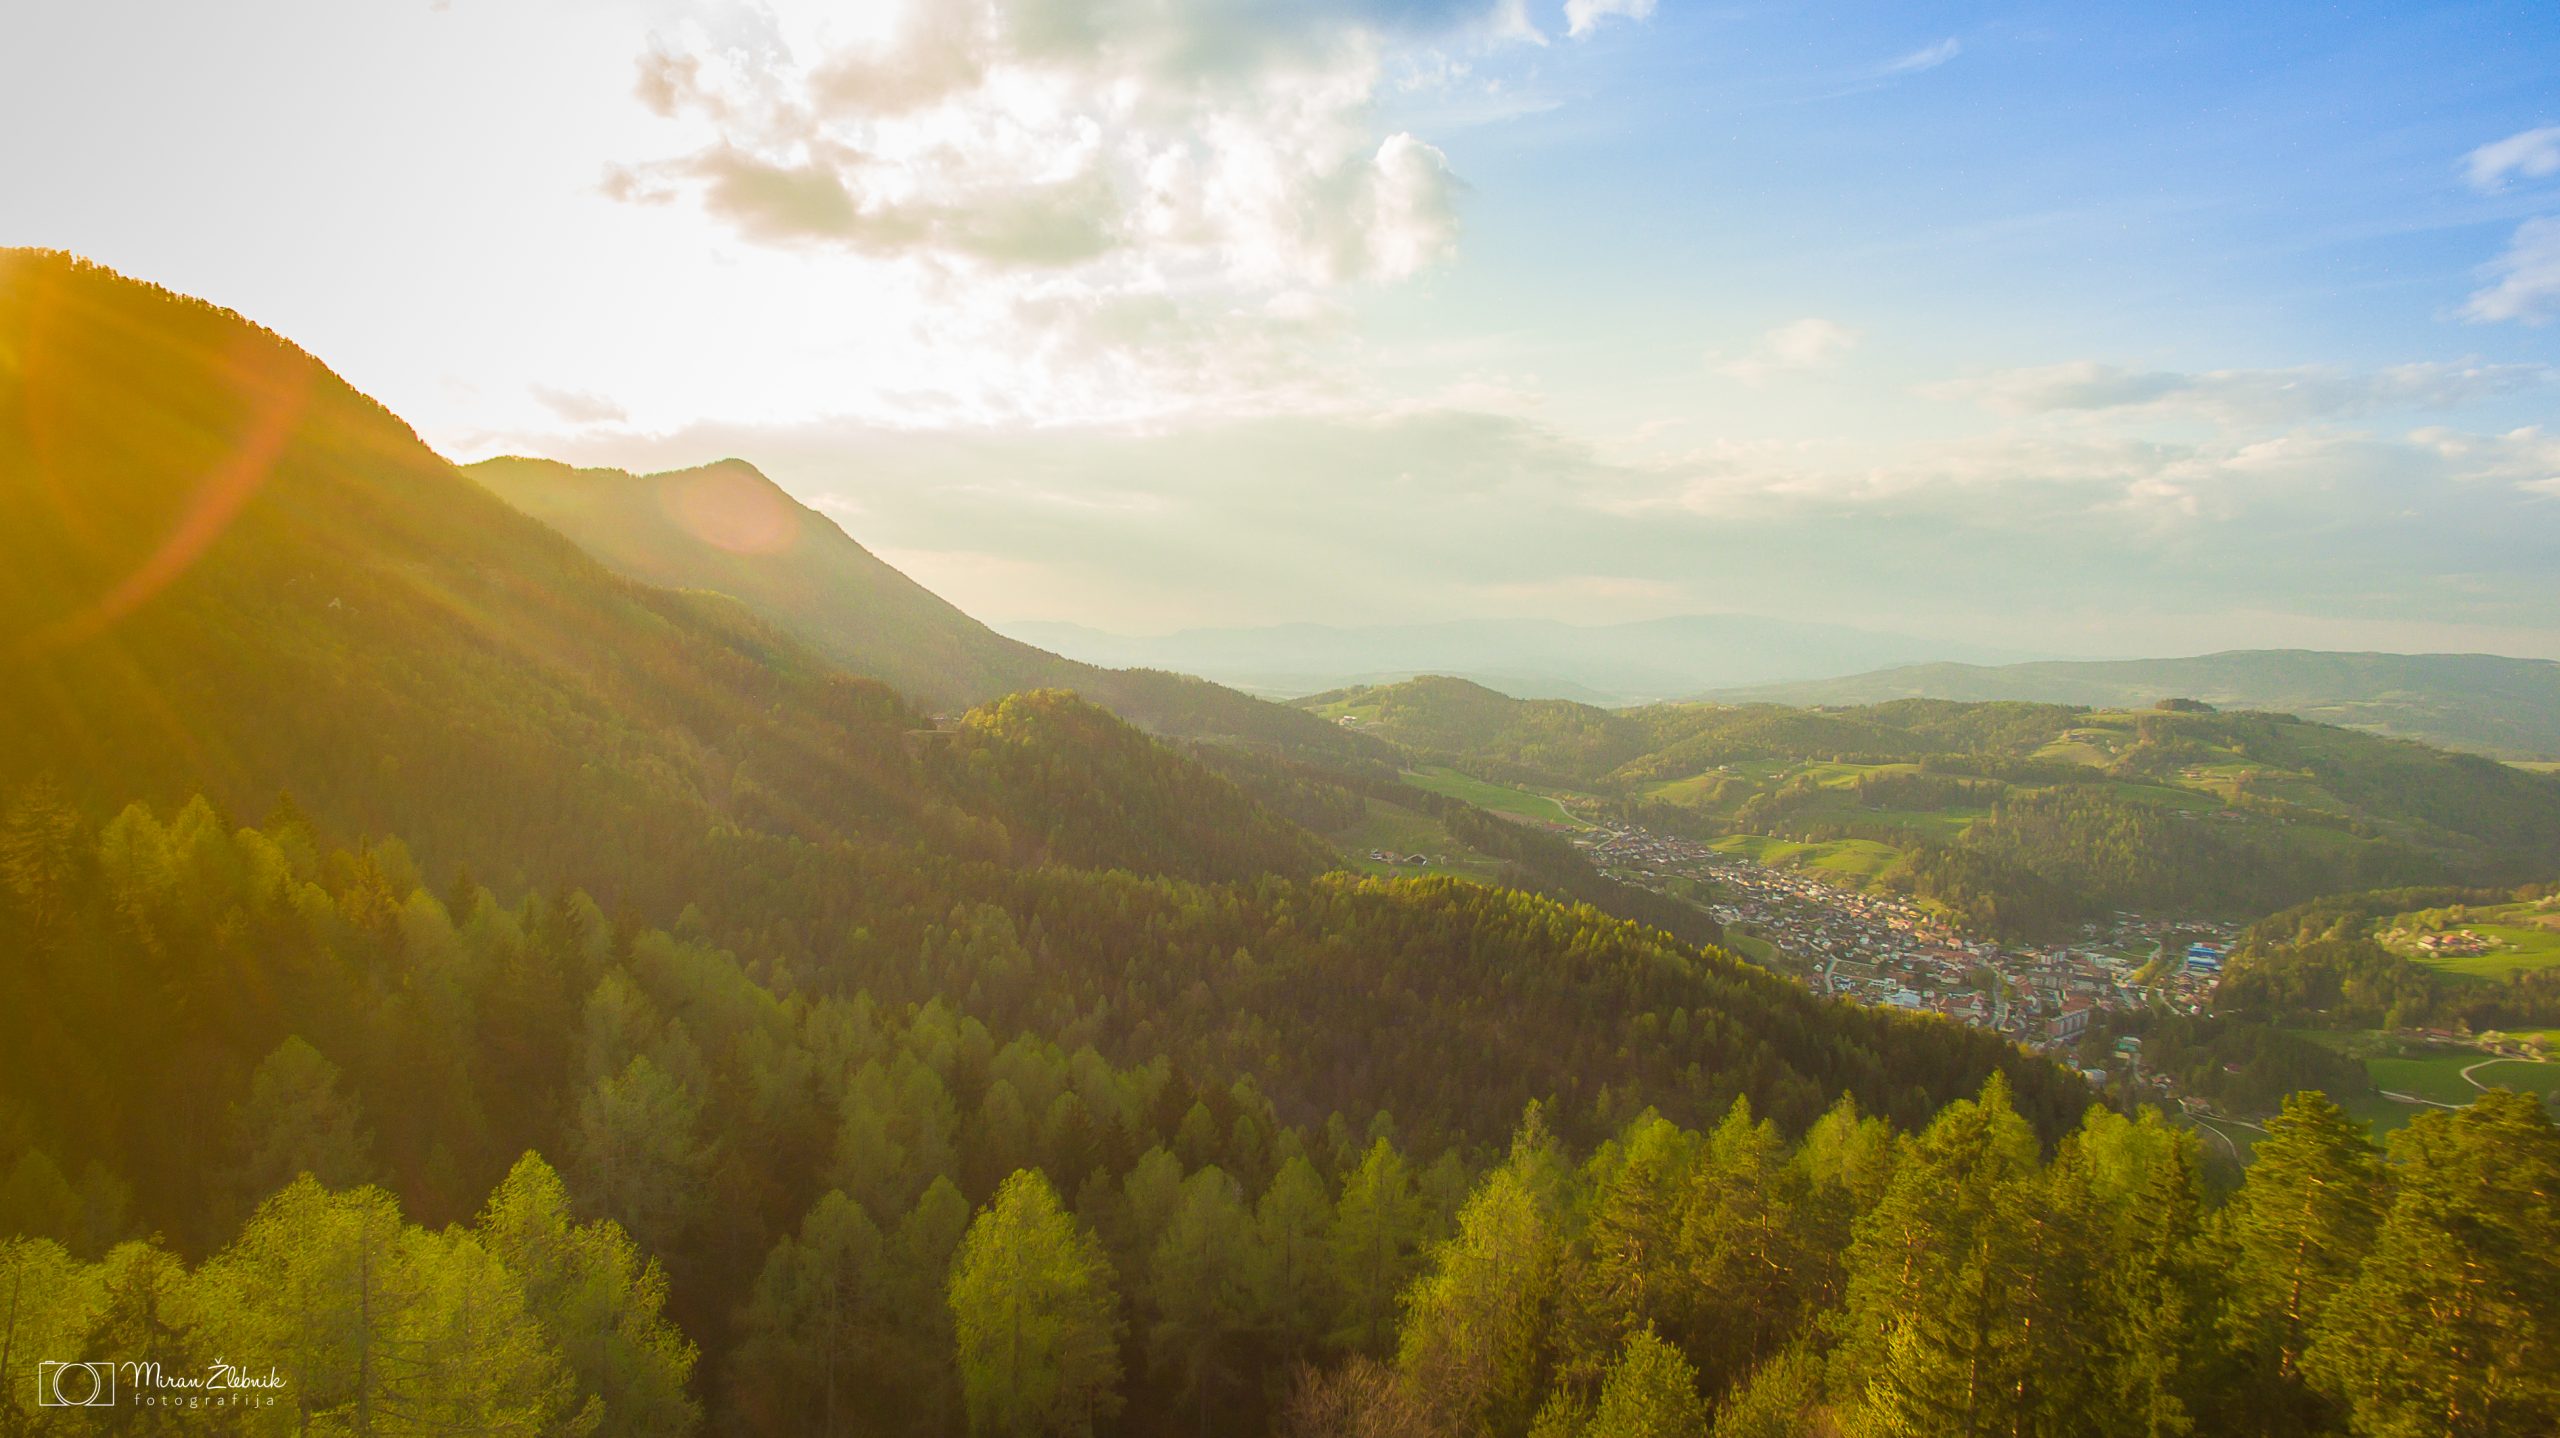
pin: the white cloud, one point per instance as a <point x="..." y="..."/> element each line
<point x="1807" y="344"/>
<point x="1097" y="211"/>
<point x="1927" y="57"/>
<point x="1177" y="142"/>
<point x="578" y="406"/>
<point x="1581" y="17"/>
<point x="2527" y="458"/>
<point x="2242" y="396"/>
<point x="2534" y="154"/>
<point x="2528" y="278"/>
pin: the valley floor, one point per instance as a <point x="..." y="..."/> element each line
<point x="1881" y="949"/>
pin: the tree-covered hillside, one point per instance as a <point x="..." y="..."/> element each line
<point x="221" y="570"/>
<point x="2481" y="702"/>
<point x="725" y="527"/>
<point x="2019" y="817"/>
<point x="354" y="825"/>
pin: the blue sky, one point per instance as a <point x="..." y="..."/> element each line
<point x="2073" y="328"/>
<point x="2237" y="186"/>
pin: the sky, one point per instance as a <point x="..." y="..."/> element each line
<point x="2076" y="328"/>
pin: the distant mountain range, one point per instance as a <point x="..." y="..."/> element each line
<point x="1608" y="664"/>
<point x="725" y="528"/>
<point x="2509" y="708"/>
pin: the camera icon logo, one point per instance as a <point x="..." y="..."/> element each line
<point x="75" y="1385"/>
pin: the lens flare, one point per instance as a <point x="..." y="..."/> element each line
<point x="275" y="384"/>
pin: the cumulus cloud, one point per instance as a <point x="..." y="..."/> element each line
<point x="1103" y="211"/>
<point x="1183" y="141"/>
<point x="1581" y="17"/>
<point x="1807" y="344"/>
<point x="2528" y="278"/>
<point x="2252" y="396"/>
<point x="2534" y="154"/>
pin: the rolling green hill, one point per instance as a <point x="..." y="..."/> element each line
<point x="726" y="528"/>
<point x="2019" y="815"/>
<point x="2506" y="708"/>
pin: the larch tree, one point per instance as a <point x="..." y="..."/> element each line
<point x="815" y="1325"/>
<point x="2289" y="1241"/>
<point x="2451" y="1329"/>
<point x="639" y="1156"/>
<point x="1291" y="1279"/>
<point x="1651" y="1392"/>
<point x="299" y="1120"/>
<point x="1036" y="1320"/>
<point x="1377" y="1238"/>
<point x="600" y="1298"/>
<point x="1478" y="1331"/>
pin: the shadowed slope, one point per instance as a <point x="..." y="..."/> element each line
<point x="726" y="527"/>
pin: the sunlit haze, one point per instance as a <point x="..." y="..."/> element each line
<point x="2078" y="331"/>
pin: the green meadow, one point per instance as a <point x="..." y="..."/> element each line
<point x="1485" y="794"/>
<point x="1860" y="859"/>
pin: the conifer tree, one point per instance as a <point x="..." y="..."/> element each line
<point x="2452" y="1326"/>
<point x="1625" y="1275"/>
<point x="1477" y="1339"/>
<point x="600" y="1299"/>
<point x="1037" y="1321"/>
<point x="1651" y="1392"/>
<point x="299" y="1120"/>
<point x="2289" y="1241"/>
<point x="1197" y="1279"/>
<point x="1292" y="1277"/>
<point x="1377" y="1236"/>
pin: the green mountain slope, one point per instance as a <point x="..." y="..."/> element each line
<point x="2020" y="815"/>
<point x="726" y="527"/>
<point x="224" y="571"/>
<point x="2507" y="708"/>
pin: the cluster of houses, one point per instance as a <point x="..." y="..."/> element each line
<point x="1883" y="950"/>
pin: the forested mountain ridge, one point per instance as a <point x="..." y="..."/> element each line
<point x="758" y="1208"/>
<point x="2486" y="703"/>
<point x="750" y="954"/>
<point x="224" y="571"/>
<point x="726" y="527"/>
<point x="2019" y="816"/>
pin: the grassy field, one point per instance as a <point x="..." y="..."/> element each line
<point x="2519" y="948"/>
<point x="2521" y="1075"/>
<point x="2428" y="1076"/>
<point x="2431" y="1075"/>
<point x="1402" y="831"/>
<point x="2524" y="941"/>
<point x="1751" y="946"/>
<point x="2381" y="1116"/>
<point x="1500" y="798"/>
<point x="1859" y="859"/>
<point x="1944" y="825"/>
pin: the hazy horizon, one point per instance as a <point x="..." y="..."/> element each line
<point x="2113" y="336"/>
